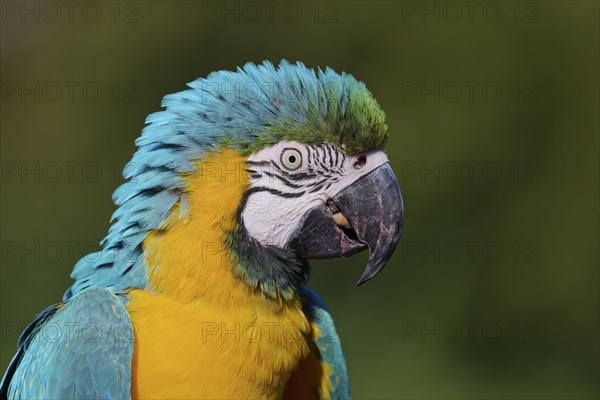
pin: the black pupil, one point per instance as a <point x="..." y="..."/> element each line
<point x="292" y="159"/>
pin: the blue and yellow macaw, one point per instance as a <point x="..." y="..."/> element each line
<point x="200" y="290"/>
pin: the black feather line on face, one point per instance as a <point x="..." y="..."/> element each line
<point x="316" y="189"/>
<point x="310" y="149"/>
<point x="300" y="176"/>
<point x="329" y="154"/>
<point x="285" y="181"/>
<point x="337" y="154"/>
<point x="273" y="191"/>
<point x="259" y="163"/>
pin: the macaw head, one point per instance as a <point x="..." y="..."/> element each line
<point x="315" y="182"/>
<point x="320" y="200"/>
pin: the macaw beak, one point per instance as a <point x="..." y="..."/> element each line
<point x="366" y="214"/>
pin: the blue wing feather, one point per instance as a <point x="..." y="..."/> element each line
<point x="328" y="343"/>
<point x="80" y="350"/>
<point x="23" y="345"/>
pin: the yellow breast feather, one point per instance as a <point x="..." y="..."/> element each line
<point x="201" y="332"/>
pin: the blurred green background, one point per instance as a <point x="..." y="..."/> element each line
<point x="493" y="114"/>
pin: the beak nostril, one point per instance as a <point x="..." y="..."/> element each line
<point x="360" y="162"/>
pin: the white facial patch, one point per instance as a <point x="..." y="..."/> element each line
<point x="290" y="178"/>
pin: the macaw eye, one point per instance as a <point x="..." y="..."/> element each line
<point x="291" y="159"/>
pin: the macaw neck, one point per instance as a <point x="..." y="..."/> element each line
<point x="205" y="254"/>
<point x="277" y="272"/>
